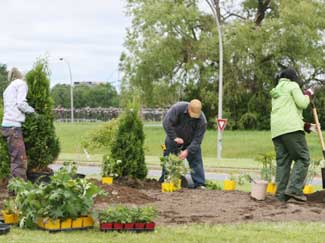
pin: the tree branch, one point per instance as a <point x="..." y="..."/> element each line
<point x="263" y="5"/>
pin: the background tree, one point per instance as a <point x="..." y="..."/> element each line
<point x="42" y="144"/>
<point x="3" y="79"/>
<point x="173" y="45"/>
<point x="100" y="95"/>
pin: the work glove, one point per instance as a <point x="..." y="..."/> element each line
<point x="310" y="127"/>
<point x="310" y="93"/>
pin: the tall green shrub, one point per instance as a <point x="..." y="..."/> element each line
<point x="4" y="156"/>
<point x="128" y="144"/>
<point x="42" y="144"/>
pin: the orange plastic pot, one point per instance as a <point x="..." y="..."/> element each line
<point x="271" y="188"/>
<point x="107" y="180"/>
<point x="9" y="218"/>
<point x="308" y="189"/>
<point x="66" y="224"/>
<point x="88" y="221"/>
<point x="77" y="223"/>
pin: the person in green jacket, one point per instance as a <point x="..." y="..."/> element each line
<point x="287" y="129"/>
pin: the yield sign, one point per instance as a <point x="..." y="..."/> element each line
<point x="222" y="123"/>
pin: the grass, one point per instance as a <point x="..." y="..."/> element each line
<point x="240" y="148"/>
<point x="257" y="232"/>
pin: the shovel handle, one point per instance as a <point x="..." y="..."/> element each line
<point x="319" y="132"/>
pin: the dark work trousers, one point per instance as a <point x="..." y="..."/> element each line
<point x="291" y="147"/>
<point x="17" y="152"/>
<point x="194" y="160"/>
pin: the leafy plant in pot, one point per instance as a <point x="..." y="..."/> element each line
<point x="174" y="169"/>
<point x="42" y="144"/>
<point x="10" y="212"/>
<point x="312" y="172"/>
<point x="267" y="171"/>
<point x="110" y="169"/>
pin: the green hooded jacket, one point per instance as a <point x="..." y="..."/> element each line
<point x="288" y="102"/>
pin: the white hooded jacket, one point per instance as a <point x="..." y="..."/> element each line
<point x="15" y="104"/>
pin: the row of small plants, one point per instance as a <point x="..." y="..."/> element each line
<point x="127" y="218"/>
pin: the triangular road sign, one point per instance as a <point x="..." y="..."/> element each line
<point x="222" y="123"/>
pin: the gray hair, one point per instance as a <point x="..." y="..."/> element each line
<point x="14" y="74"/>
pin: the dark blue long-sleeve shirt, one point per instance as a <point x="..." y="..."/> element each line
<point x="178" y="123"/>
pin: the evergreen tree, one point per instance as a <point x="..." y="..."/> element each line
<point x="42" y="144"/>
<point x="4" y="156"/>
<point x="128" y="145"/>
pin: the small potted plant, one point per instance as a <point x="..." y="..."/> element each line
<point x="175" y="168"/>
<point x="109" y="169"/>
<point x="230" y="183"/>
<point x="10" y="212"/>
<point x="267" y="171"/>
<point x="312" y="172"/>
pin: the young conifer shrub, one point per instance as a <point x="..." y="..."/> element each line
<point x="4" y="156"/>
<point x="42" y="144"/>
<point x="128" y="144"/>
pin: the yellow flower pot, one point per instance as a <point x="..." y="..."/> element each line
<point x="177" y="186"/>
<point x="40" y="223"/>
<point x="308" y="189"/>
<point x="66" y="224"/>
<point x="229" y="185"/>
<point x="88" y="221"/>
<point x="52" y="224"/>
<point x="107" y="180"/>
<point x="271" y="188"/>
<point x="167" y="187"/>
<point x="9" y="218"/>
<point x="77" y="223"/>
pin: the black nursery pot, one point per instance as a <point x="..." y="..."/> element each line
<point x="323" y="177"/>
<point x="38" y="177"/>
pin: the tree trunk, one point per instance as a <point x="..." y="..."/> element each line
<point x="263" y="5"/>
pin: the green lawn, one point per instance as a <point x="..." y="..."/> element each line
<point x="239" y="147"/>
<point x="258" y="232"/>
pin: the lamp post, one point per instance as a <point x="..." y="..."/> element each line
<point x="71" y="87"/>
<point x="213" y="6"/>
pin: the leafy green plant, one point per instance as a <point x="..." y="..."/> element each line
<point x="124" y="214"/>
<point x="111" y="167"/>
<point x="267" y="166"/>
<point x="64" y="197"/>
<point x="313" y="169"/>
<point x="9" y="205"/>
<point x="239" y="179"/>
<point x="175" y="168"/>
<point x="213" y="185"/>
<point x="42" y="144"/>
<point x="128" y="144"/>
<point x="4" y="156"/>
<point x="103" y="137"/>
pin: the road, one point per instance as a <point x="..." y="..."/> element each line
<point x="96" y="170"/>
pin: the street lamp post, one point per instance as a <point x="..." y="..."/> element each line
<point x="213" y="6"/>
<point x="71" y="87"/>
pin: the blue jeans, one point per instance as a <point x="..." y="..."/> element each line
<point x="194" y="160"/>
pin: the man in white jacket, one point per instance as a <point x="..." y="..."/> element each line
<point x="15" y="107"/>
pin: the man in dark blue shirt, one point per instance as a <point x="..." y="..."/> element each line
<point x="185" y="125"/>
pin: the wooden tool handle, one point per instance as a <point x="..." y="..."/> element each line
<point x="319" y="131"/>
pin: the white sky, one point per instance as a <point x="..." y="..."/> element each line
<point x="89" y="34"/>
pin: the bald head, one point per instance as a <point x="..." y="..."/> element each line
<point x="195" y="108"/>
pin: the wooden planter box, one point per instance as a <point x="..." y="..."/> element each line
<point x="9" y="218"/>
<point x="135" y="227"/>
<point x="80" y="223"/>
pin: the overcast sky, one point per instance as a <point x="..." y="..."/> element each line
<point x="89" y="34"/>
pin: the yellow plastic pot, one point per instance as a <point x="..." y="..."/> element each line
<point x="52" y="224"/>
<point x="308" y="189"/>
<point x="77" y="223"/>
<point x="177" y="186"/>
<point x="229" y="185"/>
<point x="66" y="224"/>
<point x="271" y="188"/>
<point x="9" y="218"/>
<point x="88" y="221"/>
<point x="107" y="180"/>
<point x="167" y="187"/>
